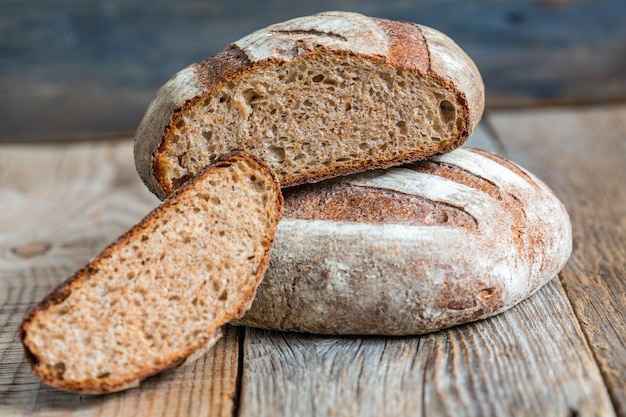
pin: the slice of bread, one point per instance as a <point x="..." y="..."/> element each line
<point x="159" y="294"/>
<point x="412" y="249"/>
<point x="315" y="97"/>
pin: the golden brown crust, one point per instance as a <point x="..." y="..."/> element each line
<point x="48" y="375"/>
<point x="407" y="47"/>
<point x="344" y="202"/>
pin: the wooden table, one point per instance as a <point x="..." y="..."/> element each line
<point x="560" y="353"/>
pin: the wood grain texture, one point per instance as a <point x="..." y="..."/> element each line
<point x="81" y="68"/>
<point x="580" y="154"/>
<point x="530" y="361"/>
<point x="62" y="205"/>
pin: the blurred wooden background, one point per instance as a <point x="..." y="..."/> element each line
<point x="555" y="74"/>
<point x="77" y="69"/>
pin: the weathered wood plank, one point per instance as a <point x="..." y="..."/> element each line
<point x="530" y="361"/>
<point x="77" y="68"/>
<point x="581" y="155"/>
<point x="60" y="206"/>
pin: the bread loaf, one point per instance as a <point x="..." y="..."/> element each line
<point x="159" y="294"/>
<point x="314" y="97"/>
<point x="413" y="249"/>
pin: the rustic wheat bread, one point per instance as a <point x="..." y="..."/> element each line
<point x="315" y="97"/>
<point x="413" y="249"/>
<point x="159" y="294"/>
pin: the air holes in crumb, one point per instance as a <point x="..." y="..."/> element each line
<point x="224" y="98"/>
<point x="348" y="106"/>
<point x="387" y="78"/>
<point x="180" y="124"/>
<point x="307" y="103"/>
<point x="178" y="182"/>
<point x="448" y="111"/>
<point x="186" y="239"/>
<point x="216" y="200"/>
<point x="291" y="77"/>
<point x="318" y="78"/>
<point x="224" y="295"/>
<point x="103" y="375"/>
<point x="402" y="126"/>
<point x="277" y="153"/>
<point x="207" y="134"/>
<point x="251" y="96"/>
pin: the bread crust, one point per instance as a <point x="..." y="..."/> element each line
<point x="406" y="46"/>
<point x="57" y="295"/>
<point x="470" y="235"/>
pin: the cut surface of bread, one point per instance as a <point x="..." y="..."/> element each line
<point x="315" y="97"/>
<point x="412" y="249"/>
<point x="159" y="294"/>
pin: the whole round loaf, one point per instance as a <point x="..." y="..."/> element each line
<point x="412" y="249"/>
<point x="315" y="97"/>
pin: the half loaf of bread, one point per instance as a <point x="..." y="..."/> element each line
<point x="159" y="294"/>
<point x="314" y="97"/>
<point x="412" y="249"/>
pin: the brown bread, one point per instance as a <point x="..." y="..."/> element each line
<point x="158" y="295"/>
<point x="413" y="249"/>
<point x="316" y="97"/>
